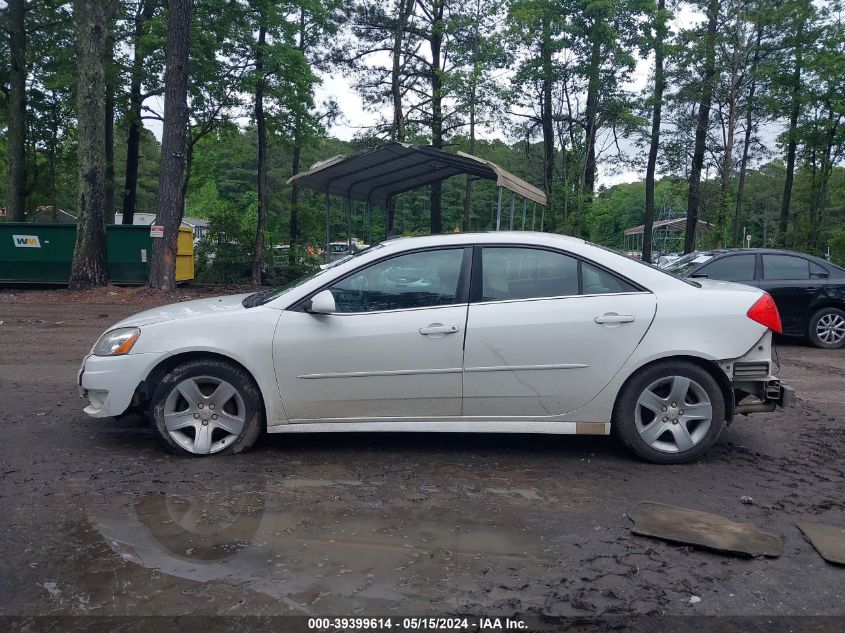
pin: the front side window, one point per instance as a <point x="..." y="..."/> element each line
<point x="730" y="268"/>
<point x="525" y="273"/>
<point x="510" y="273"/>
<point x="785" y="267"/>
<point x="416" y="280"/>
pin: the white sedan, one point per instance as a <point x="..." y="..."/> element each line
<point x="499" y="332"/>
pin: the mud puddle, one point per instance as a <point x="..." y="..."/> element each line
<point x="304" y="559"/>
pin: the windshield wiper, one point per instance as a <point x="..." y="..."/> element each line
<point x="255" y="298"/>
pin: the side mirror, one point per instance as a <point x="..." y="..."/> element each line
<point x="322" y="303"/>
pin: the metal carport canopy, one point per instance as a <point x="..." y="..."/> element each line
<point x="387" y="170"/>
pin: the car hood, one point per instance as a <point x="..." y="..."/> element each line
<point x="185" y="310"/>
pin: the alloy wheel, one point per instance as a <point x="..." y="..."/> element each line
<point x="673" y="414"/>
<point x="204" y="414"/>
<point x="830" y="328"/>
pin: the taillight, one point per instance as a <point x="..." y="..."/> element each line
<point x="765" y="312"/>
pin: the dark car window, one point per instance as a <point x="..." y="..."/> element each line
<point x="532" y="273"/>
<point x="785" y="267"/>
<point x="730" y="268"/>
<point x="818" y="272"/>
<point x="416" y="280"/>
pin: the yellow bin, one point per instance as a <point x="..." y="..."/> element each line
<point x="185" y="254"/>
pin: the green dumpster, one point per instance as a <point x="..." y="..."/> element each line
<point x="42" y="253"/>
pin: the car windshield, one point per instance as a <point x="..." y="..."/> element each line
<point x="683" y="265"/>
<point x="260" y="298"/>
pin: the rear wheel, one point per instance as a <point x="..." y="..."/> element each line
<point x="670" y="413"/>
<point x="207" y="407"/>
<point x="827" y="328"/>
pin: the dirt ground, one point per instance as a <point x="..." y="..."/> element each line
<point x="97" y="519"/>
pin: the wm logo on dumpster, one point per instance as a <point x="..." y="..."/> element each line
<point x="26" y="241"/>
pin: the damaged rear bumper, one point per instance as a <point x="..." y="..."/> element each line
<point x="773" y="395"/>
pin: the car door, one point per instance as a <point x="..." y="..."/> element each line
<point x="546" y="332"/>
<point x="738" y="268"/>
<point x="788" y="279"/>
<point x="393" y="348"/>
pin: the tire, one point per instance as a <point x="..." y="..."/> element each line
<point x="827" y="328"/>
<point x="640" y="406"/>
<point x="207" y="407"/>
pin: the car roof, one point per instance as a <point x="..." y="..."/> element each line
<point x="489" y="237"/>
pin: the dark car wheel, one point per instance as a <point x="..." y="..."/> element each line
<point x="206" y="407"/>
<point x="670" y="413"/>
<point x="827" y="328"/>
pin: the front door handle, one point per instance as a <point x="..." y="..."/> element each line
<point x="438" y="328"/>
<point x="612" y="317"/>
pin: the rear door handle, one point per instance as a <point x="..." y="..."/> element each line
<point x="439" y="328"/>
<point x="612" y="317"/>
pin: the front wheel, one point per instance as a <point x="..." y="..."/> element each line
<point x="670" y="413"/>
<point x="205" y="407"/>
<point x="827" y="328"/>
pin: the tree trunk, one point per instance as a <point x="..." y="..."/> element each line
<point x="171" y="196"/>
<point x="108" y="138"/>
<point x="296" y="159"/>
<point x="53" y="158"/>
<point x="89" y="267"/>
<point x="660" y="33"/>
<point x="397" y="131"/>
<point x="746" y="145"/>
<point x="727" y="158"/>
<point x="694" y="193"/>
<point x="294" y="193"/>
<point x="591" y="129"/>
<point x="436" y="41"/>
<point x="468" y="190"/>
<point x="467" y="219"/>
<point x="258" y="249"/>
<point x="792" y="135"/>
<point x="16" y="130"/>
<point x="820" y="188"/>
<point x="546" y="119"/>
<point x="136" y="101"/>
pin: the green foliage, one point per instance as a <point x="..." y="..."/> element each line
<point x="497" y="56"/>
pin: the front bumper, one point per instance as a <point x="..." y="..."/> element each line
<point x="109" y="382"/>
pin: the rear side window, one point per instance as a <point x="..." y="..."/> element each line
<point x="596" y="281"/>
<point x="818" y="272"/>
<point x="730" y="268"/>
<point x="785" y="267"/>
<point x="528" y="273"/>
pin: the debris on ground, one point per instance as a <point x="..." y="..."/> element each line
<point x="711" y="531"/>
<point x="829" y="540"/>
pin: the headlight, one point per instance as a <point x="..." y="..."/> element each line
<point x="117" y="342"/>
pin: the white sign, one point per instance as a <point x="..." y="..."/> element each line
<point x="156" y="230"/>
<point x="26" y="241"/>
<point x="143" y="255"/>
<point x="748" y="239"/>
